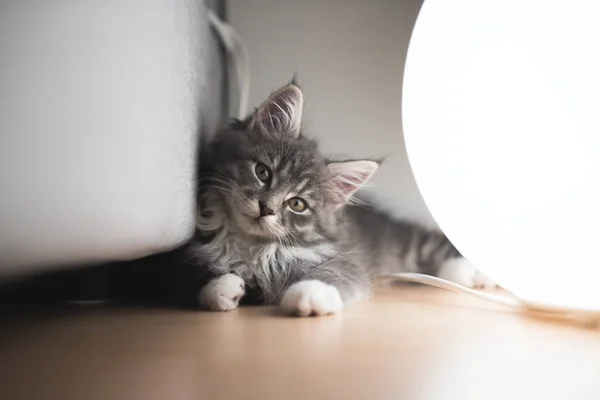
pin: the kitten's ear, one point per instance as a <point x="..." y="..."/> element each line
<point x="345" y="178"/>
<point x="281" y="114"/>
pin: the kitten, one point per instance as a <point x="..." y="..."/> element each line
<point x="276" y="220"/>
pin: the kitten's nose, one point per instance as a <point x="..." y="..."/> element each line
<point x="264" y="209"/>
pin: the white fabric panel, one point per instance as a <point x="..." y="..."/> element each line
<point x="99" y="110"/>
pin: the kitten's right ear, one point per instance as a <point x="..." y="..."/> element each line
<point x="281" y="113"/>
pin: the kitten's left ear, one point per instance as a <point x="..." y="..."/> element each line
<point x="345" y="178"/>
<point x="281" y="114"/>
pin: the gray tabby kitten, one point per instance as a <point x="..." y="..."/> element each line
<point x="274" y="219"/>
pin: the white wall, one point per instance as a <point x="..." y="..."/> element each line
<point x="349" y="56"/>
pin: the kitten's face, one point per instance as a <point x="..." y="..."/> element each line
<point x="276" y="187"/>
<point x="276" y="183"/>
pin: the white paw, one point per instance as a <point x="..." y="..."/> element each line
<point x="461" y="271"/>
<point x="307" y="298"/>
<point x="222" y="293"/>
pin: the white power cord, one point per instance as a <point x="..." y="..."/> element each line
<point x="238" y="57"/>
<point x="444" y="284"/>
<point x="584" y="317"/>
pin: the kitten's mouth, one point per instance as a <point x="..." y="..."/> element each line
<point x="258" y="226"/>
<point x="259" y="219"/>
<point x="252" y="217"/>
<point x="252" y="220"/>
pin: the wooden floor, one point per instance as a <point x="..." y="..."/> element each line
<point x="407" y="343"/>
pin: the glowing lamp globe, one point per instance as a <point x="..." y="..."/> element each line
<point x="501" y="111"/>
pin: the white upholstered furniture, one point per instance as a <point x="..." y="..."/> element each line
<point x="101" y="104"/>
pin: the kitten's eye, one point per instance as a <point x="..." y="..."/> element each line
<point x="263" y="173"/>
<point x="297" y="204"/>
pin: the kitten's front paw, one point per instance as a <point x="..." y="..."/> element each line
<point x="307" y="298"/>
<point x="461" y="271"/>
<point x="222" y="293"/>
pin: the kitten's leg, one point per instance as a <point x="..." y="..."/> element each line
<point x="325" y="290"/>
<point x="459" y="270"/>
<point x="223" y="293"/>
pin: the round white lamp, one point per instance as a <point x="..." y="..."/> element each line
<point x="501" y="110"/>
